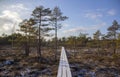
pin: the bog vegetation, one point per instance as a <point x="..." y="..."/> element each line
<point x="30" y="40"/>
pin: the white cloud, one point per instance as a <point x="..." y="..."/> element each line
<point x="82" y="29"/>
<point x="85" y="29"/>
<point x="98" y="26"/>
<point x="99" y="13"/>
<point x="7" y="19"/>
<point x="112" y="12"/>
<point x="10" y="15"/>
<point x="18" y="6"/>
<point x="93" y="15"/>
<point x="7" y="27"/>
<point x="65" y="25"/>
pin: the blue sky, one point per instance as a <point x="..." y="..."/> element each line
<point x="85" y="16"/>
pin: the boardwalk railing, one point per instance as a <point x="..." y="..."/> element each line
<point x="64" y="69"/>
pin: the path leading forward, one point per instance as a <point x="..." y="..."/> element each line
<point x="64" y="69"/>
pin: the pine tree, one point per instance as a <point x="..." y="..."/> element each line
<point x="97" y="35"/>
<point x="113" y="33"/>
<point x="27" y="29"/>
<point x="56" y="17"/>
<point x="41" y="17"/>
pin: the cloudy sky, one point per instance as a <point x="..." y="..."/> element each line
<point x="85" y="16"/>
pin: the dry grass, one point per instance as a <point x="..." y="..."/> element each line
<point x="90" y="61"/>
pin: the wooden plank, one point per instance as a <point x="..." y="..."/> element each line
<point x="64" y="69"/>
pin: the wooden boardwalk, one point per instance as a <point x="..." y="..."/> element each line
<point x="64" y="69"/>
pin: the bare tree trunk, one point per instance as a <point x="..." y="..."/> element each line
<point x="98" y="47"/>
<point x="114" y="43"/>
<point x="26" y="44"/>
<point x="29" y="43"/>
<point x="12" y="41"/>
<point x="114" y="46"/>
<point x="39" y="40"/>
<point x="56" y="41"/>
<point x="74" y="39"/>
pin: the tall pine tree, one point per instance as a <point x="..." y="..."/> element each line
<point x="113" y="31"/>
<point x="56" y="17"/>
<point x="41" y="17"/>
